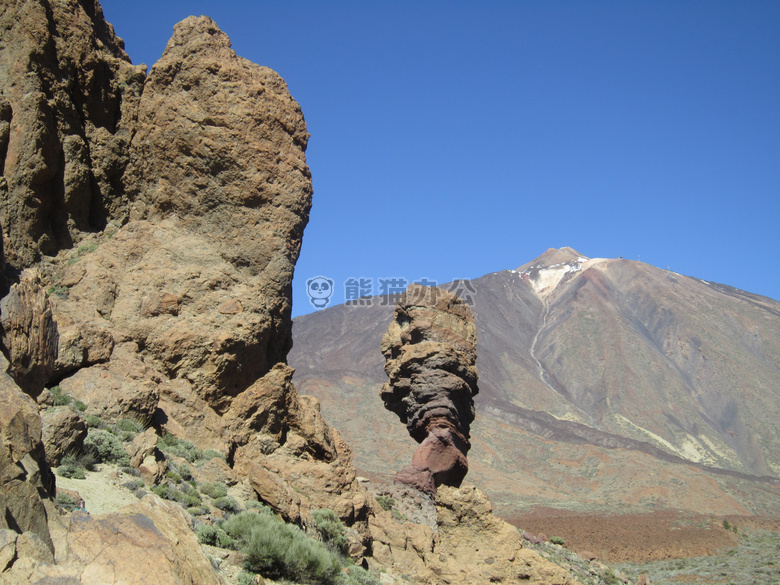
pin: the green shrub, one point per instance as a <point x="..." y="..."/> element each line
<point x="227" y="504"/>
<point x="173" y="476"/>
<point x="214" y="535"/>
<point x="245" y="578"/>
<point x="279" y="550"/>
<point x="211" y="454"/>
<point x="128" y="426"/>
<point x="331" y="530"/>
<point x="107" y="447"/>
<point x="70" y="469"/>
<point x="557" y="540"/>
<point x="162" y="490"/>
<point x="185" y="472"/>
<point x="93" y="421"/>
<point x="65" y="501"/>
<point x="80" y="406"/>
<point x="359" y="576"/>
<point x="185" y="449"/>
<point x="213" y="489"/>
<point x="60" y="399"/>
<point x="387" y="502"/>
<point x="58" y="291"/>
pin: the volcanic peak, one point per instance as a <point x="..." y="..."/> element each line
<point x="546" y="272"/>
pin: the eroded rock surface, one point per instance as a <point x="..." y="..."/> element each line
<point x="67" y="109"/>
<point x="430" y="349"/>
<point x="26" y="481"/>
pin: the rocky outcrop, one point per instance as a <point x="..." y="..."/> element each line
<point x="26" y="481"/>
<point x="29" y="333"/>
<point x="220" y="147"/>
<point x="67" y="109"/>
<point x="430" y="349"/>
<point x="150" y="541"/>
<point x="468" y="545"/>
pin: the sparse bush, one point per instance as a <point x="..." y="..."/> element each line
<point x="185" y="449"/>
<point x="162" y="490"/>
<point x="359" y="576"/>
<point x="245" y="578"/>
<point x="557" y="540"/>
<point x="211" y="454"/>
<point x="93" y="421"/>
<point x="227" y="504"/>
<point x="60" y="399"/>
<point x="214" y="536"/>
<point x="107" y="447"/>
<point x="58" y="291"/>
<point x="128" y="426"/>
<point x="79" y="405"/>
<point x="331" y="530"/>
<point x="387" y="502"/>
<point x="279" y="550"/>
<point x="65" y="501"/>
<point x="68" y="468"/>
<point x="213" y="489"/>
<point x="173" y="476"/>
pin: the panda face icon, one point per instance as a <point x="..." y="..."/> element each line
<point x="319" y="290"/>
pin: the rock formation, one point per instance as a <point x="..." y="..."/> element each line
<point x="430" y="349"/>
<point x="67" y="111"/>
<point x="175" y="205"/>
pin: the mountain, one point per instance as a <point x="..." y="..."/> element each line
<point x="603" y="383"/>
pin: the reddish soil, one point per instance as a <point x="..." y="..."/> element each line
<point x="636" y="537"/>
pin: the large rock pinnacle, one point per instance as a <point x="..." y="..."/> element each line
<point x="430" y="349"/>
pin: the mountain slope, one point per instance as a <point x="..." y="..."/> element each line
<point x="639" y="368"/>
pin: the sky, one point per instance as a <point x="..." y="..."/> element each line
<point x="454" y="139"/>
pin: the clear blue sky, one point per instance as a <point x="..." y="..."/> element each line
<point x="453" y="139"/>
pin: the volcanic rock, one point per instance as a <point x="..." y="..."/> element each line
<point x="29" y="333"/>
<point x="67" y="109"/>
<point x="25" y="478"/>
<point x="149" y="538"/>
<point x="63" y="432"/>
<point x="430" y="349"/>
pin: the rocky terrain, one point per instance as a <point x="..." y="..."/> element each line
<point x="151" y="225"/>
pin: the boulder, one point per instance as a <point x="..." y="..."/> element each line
<point x="147" y="542"/>
<point x="25" y="479"/>
<point x="63" y="432"/>
<point x="29" y="333"/>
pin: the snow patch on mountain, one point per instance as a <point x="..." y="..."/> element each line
<point x="545" y="279"/>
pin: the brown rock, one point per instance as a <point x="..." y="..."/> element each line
<point x="220" y="145"/>
<point x="7" y="548"/>
<point x="147" y="542"/>
<point x="231" y="307"/>
<point x="123" y="388"/>
<point x="430" y="349"/>
<point x="29" y="333"/>
<point x="69" y="101"/>
<point x="63" y="432"/>
<point x="81" y="345"/>
<point x="25" y="479"/>
<point x="159" y="304"/>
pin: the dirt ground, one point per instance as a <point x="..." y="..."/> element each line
<point x="639" y="538"/>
